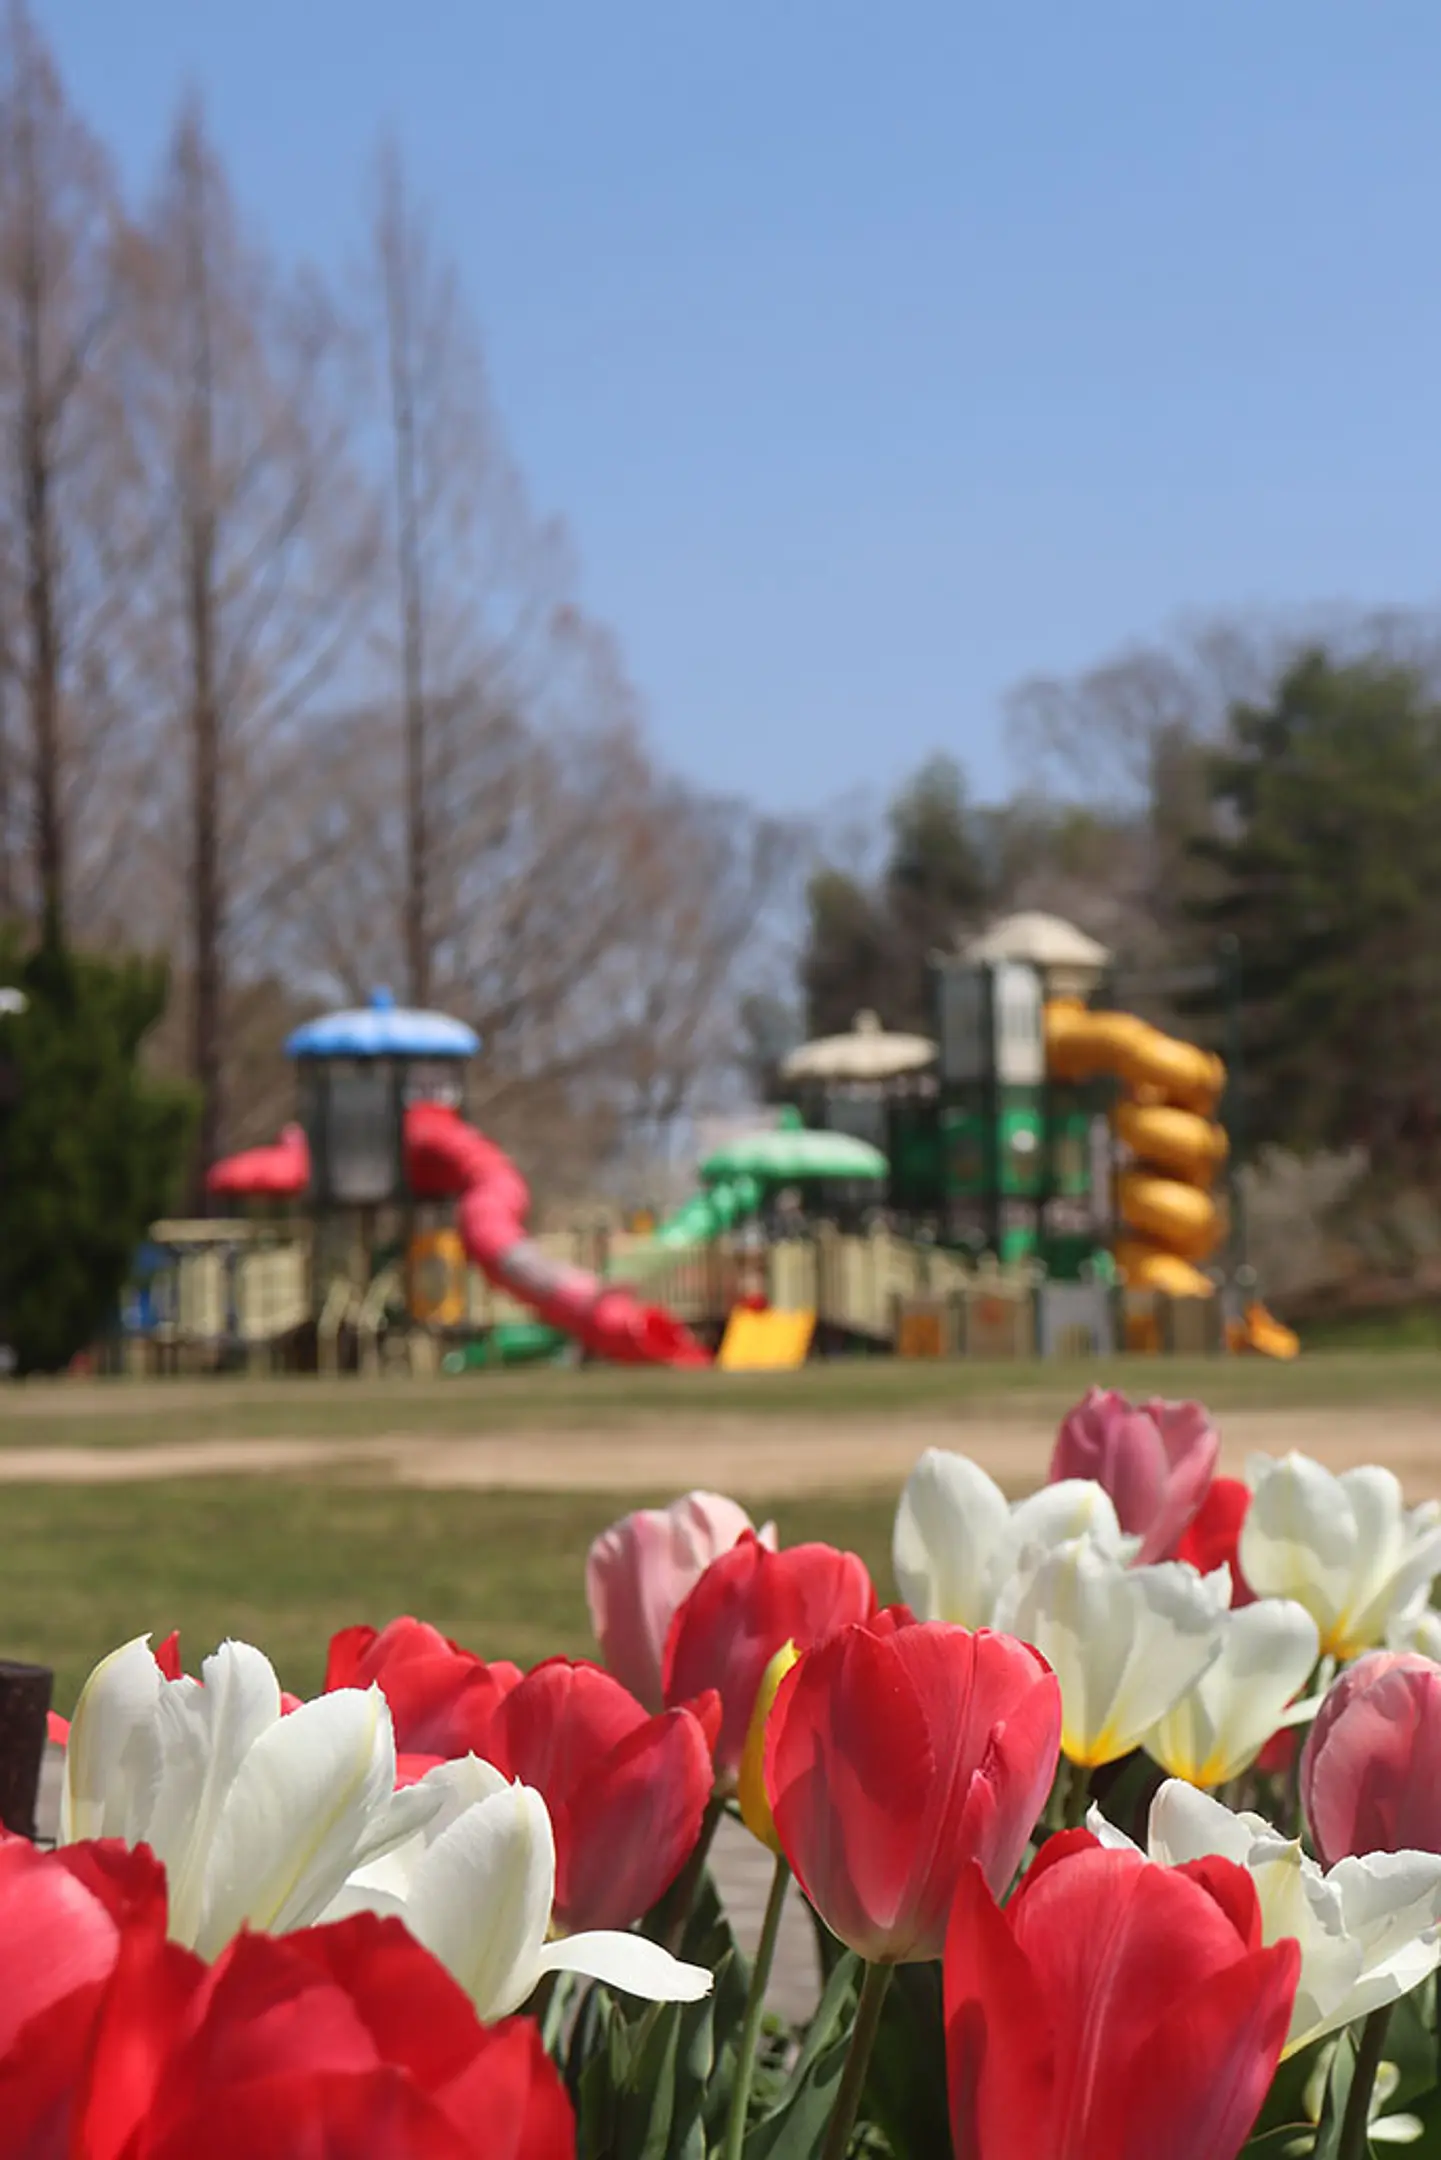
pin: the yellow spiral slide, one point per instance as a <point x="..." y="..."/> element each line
<point x="1166" y="1118"/>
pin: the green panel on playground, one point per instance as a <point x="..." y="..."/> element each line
<point x="986" y="1154"/>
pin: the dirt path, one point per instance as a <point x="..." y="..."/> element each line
<point x="772" y="1456"/>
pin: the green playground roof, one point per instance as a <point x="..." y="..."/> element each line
<point x="796" y="1158"/>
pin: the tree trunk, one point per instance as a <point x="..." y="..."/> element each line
<point x="396" y="273"/>
<point x="207" y="889"/>
<point x="9" y="902"/>
<point x="38" y="543"/>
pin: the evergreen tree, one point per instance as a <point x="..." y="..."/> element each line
<point x="1324" y="860"/>
<point x="92" y="1148"/>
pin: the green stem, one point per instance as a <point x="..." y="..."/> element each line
<point x="1078" y="1792"/>
<point x="549" y="2006"/>
<point x="755" y="2007"/>
<point x="1355" y="2144"/>
<point x="858" y="2056"/>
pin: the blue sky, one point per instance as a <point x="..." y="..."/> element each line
<point x="878" y="356"/>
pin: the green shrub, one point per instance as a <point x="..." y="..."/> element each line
<point x="92" y="1147"/>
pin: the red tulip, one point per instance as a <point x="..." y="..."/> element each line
<point x="1371" y="1770"/>
<point x="441" y="1698"/>
<point x="892" y="1761"/>
<point x="347" y="2041"/>
<point x="746" y="1605"/>
<point x="1155" y="1459"/>
<point x="167" y="1657"/>
<point x="1213" y="1537"/>
<point x="642" y="1569"/>
<point x="1113" y="2011"/>
<point x="626" y="1792"/>
<point x="62" y="1917"/>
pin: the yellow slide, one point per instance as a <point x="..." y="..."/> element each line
<point x="1166" y="1118"/>
<point x="765" y="1341"/>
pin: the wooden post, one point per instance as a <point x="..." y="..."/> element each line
<point x="25" y="1692"/>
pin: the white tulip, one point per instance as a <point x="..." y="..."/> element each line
<point x="1347" y="1547"/>
<point x="957" y="1537"/>
<point x="1369" y="1930"/>
<point x="1125" y="1643"/>
<point x="1220" y="1725"/>
<point x="1417" y="1629"/>
<point x="258" y="1818"/>
<point x="476" y="1886"/>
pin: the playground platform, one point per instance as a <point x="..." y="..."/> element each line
<point x="242" y="1296"/>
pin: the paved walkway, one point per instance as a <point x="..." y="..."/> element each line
<point x="775" y="1457"/>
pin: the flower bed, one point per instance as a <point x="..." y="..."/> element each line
<point x="1121" y="1835"/>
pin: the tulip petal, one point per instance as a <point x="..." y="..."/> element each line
<point x="628" y="1962"/>
<point x="1125" y="1643"/>
<point x="295" y="1821"/>
<point x="1299" y="1537"/>
<point x="481" y="1896"/>
<point x="1198" y="2078"/>
<point x="1015" y="1736"/>
<point x="1187" y="1825"/>
<point x="1366" y="1931"/>
<point x="640" y="1571"/>
<point x="1000" y="2057"/>
<point x="1298" y="1904"/>
<point x="1222" y="1722"/>
<point x="641" y="1814"/>
<point x="951" y="1522"/>
<point x="1071" y="1508"/>
<point x="850" y="1771"/>
<point x="112" y="1761"/>
<point x="205" y="1733"/>
<point x="1391" y="1904"/>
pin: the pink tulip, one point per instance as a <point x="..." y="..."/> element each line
<point x="1155" y="1459"/>
<point x="1371" y="1770"/>
<point x="640" y="1571"/>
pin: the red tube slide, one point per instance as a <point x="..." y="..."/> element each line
<point x="446" y="1158"/>
<point x="443" y="1156"/>
<point x="278" y="1172"/>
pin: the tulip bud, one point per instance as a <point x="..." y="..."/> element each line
<point x="644" y="1567"/>
<point x="755" y="1806"/>
<point x="1371" y="1771"/>
<point x="1155" y="1459"/>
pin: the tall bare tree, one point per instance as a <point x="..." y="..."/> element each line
<point x="417" y="312"/>
<point x="66" y="495"/>
<point x="263" y="581"/>
<point x="470" y="569"/>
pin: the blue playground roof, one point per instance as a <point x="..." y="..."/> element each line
<point x="383" y="1029"/>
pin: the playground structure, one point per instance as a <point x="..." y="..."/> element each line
<point x="1047" y="1177"/>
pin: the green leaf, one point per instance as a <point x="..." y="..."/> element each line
<point x="1285" y="2104"/>
<point x="676" y="2081"/>
<point x="1338" y="2092"/>
<point x="905" y="2089"/>
<point x="791" y="2129"/>
<point x="794" y="2130"/>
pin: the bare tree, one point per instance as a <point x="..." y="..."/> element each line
<point x="407" y="287"/>
<point x="1101" y="736"/>
<point x="263" y="578"/>
<point x="66" y="488"/>
<point x="475" y="578"/>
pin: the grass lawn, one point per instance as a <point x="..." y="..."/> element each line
<point x="283" y="1565"/>
<point x="126" y="1413"/>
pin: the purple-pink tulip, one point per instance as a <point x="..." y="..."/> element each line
<point x="642" y="1569"/>
<point x="1155" y="1459"/>
<point x="1371" y="1770"/>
